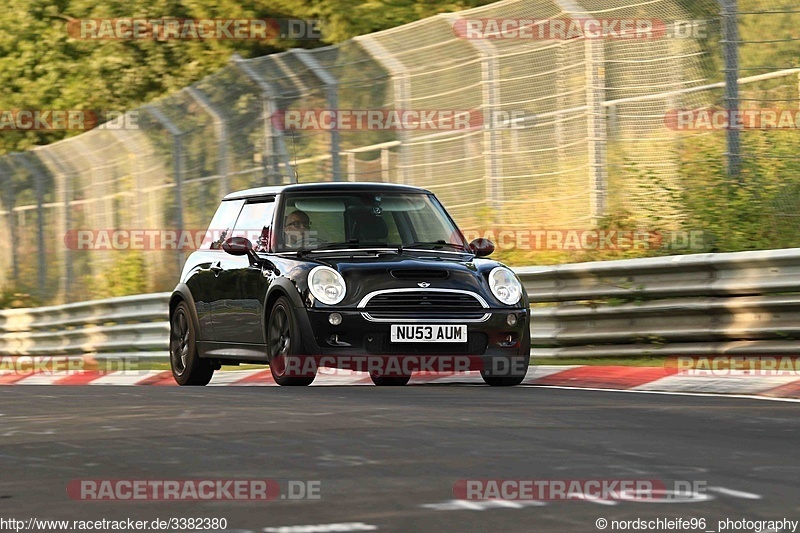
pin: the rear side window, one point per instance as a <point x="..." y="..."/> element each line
<point x="221" y="225"/>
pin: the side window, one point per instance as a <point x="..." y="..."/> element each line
<point x="254" y="221"/>
<point x="222" y="224"/>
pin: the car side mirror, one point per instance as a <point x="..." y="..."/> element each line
<point x="481" y="247"/>
<point x="237" y="246"/>
<point x="243" y="246"/>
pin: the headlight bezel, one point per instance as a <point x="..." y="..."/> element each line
<point x="319" y="292"/>
<point x="495" y="285"/>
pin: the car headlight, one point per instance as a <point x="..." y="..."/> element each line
<point x="505" y="286"/>
<point x="326" y="285"/>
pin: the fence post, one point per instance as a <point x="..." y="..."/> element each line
<point x="595" y="115"/>
<point x="492" y="143"/>
<point x="177" y="166"/>
<point x="137" y="147"/>
<point x="36" y="173"/>
<point x="730" y="52"/>
<point x="332" y="96"/>
<point x="561" y="102"/>
<point x="385" y="164"/>
<point x="613" y="123"/>
<point x="66" y="220"/>
<point x="274" y="143"/>
<point x="596" y="131"/>
<point x="221" y="131"/>
<point x="401" y="87"/>
<point x="351" y="166"/>
<point x="8" y="198"/>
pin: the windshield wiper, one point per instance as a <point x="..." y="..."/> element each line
<point x="441" y="243"/>
<point x="353" y="243"/>
<point x="344" y="245"/>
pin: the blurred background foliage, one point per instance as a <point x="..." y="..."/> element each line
<point x="42" y="67"/>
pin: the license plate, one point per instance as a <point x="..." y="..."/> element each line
<point x="429" y="333"/>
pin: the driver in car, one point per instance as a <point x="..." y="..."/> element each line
<point x="297" y="232"/>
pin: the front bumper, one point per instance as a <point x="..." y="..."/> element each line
<point x="356" y="335"/>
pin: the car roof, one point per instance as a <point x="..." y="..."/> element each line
<point x="323" y="187"/>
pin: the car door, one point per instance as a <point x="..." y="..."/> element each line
<point x="203" y="278"/>
<point x="239" y="316"/>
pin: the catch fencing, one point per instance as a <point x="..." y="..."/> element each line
<point x="585" y="141"/>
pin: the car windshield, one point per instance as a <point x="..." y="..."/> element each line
<point x="366" y="220"/>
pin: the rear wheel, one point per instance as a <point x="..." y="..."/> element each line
<point x="284" y="347"/>
<point x="187" y="367"/>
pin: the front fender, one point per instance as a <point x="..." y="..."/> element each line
<point x="284" y="287"/>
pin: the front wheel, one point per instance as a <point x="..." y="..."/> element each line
<point x="389" y="381"/>
<point x="506" y="373"/>
<point x="187" y="367"/>
<point x="283" y="347"/>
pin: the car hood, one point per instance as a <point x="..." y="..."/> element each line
<point x="367" y="273"/>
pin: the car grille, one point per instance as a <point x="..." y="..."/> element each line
<point x="434" y="304"/>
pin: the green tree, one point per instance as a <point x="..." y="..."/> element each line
<point x="43" y="67"/>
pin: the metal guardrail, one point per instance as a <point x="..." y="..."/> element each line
<point x="129" y="326"/>
<point x="733" y="303"/>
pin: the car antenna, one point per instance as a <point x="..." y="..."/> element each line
<point x="294" y="152"/>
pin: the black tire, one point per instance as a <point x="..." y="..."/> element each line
<point x="187" y="367"/>
<point x="509" y="377"/>
<point x="283" y="343"/>
<point x="389" y="381"/>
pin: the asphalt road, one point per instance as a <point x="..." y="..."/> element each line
<point x="388" y="458"/>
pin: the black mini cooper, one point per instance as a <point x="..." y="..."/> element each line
<point x="364" y="276"/>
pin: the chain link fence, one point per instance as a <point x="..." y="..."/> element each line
<point x="590" y="143"/>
